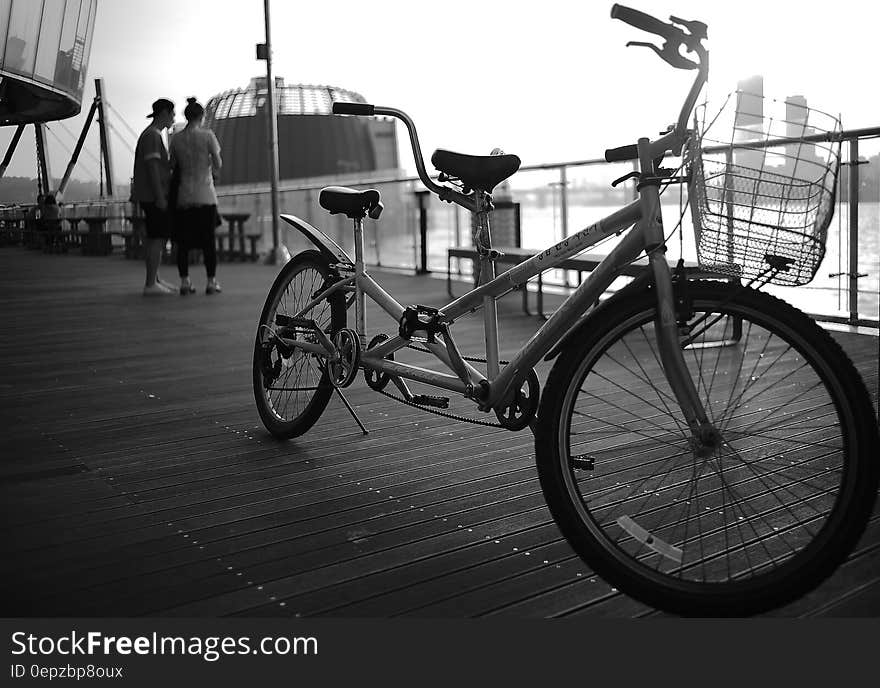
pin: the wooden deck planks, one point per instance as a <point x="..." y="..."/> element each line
<point x="185" y="506"/>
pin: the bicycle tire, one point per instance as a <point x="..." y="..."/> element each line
<point x="291" y="408"/>
<point x="758" y="523"/>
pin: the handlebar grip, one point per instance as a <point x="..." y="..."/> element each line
<point x="340" y="108"/>
<point x="642" y="21"/>
<point x="623" y="153"/>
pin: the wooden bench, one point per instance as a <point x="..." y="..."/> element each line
<point x="585" y="262"/>
<point x="11" y="228"/>
<point x="51" y="237"/>
<point x="230" y="248"/>
<point x="236" y="235"/>
<point x="97" y="241"/>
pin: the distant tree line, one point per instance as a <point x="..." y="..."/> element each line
<point x="24" y="191"/>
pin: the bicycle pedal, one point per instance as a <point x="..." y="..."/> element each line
<point x="428" y="400"/>
<point x="289" y="321"/>
<point x="583" y="462"/>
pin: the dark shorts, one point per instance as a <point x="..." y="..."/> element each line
<point x="158" y="222"/>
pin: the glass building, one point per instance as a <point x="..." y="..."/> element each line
<point x="45" y="53"/>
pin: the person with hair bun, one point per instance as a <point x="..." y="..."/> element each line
<point x="195" y="157"/>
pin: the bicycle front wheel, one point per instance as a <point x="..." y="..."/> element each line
<point x="737" y="530"/>
<point x="292" y="386"/>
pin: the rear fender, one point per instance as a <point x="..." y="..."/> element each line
<point x="328" y="248"/>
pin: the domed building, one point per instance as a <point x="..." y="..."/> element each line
<point x="312" y="142"/>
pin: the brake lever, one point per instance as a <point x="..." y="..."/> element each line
<point x="668" y="53"/>
<point x="629" y="175"/>
<point x="697" y="29"/>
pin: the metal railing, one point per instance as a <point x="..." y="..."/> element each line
<point x="559" y="198"/>
<point x="554" y="200"/>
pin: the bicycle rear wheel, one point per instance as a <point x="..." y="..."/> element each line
<point x="292" y="386"/>
<point x="747" y="527"/>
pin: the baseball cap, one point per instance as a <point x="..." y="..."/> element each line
<point x="160" y="106"/>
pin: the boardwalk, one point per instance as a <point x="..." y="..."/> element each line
<point x="136" y="478"/>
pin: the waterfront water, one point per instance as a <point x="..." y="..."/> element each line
<point x="825" y="294"/>
<point x="393" y="241"/>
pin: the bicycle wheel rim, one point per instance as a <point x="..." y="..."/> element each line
<point x="772" y="539"/>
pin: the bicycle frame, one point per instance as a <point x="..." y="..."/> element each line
<point x="514" y="374"/>
<point x="498" y="384"/>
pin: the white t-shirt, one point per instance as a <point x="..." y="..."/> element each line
<point x="197" y="152"/>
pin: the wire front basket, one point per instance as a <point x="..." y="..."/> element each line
<point x="763" y="197"/>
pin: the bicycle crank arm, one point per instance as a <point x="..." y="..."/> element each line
<point x="287" y="321"/>
<point x="305" y="346"/>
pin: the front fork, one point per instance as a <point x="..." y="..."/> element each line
<point x="668" y="340"/>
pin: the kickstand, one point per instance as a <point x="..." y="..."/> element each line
<point x="345" y="401"/>
<point x="351" y="411"/>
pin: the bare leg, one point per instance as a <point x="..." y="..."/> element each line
<point x="153" y="256"/>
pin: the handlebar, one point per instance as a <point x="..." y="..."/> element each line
<point x="622" y="154"/>
<point x="674" y="39"/>
<point x="643" y="21"/>
<point x="353" y="109"/>
<point x="443" y="192"/>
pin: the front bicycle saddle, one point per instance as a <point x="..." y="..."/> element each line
<point x="478" y="172"/>
<point x="353" y="203"/>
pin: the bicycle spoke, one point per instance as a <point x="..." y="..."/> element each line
<point x="737" y="376"/>
<point x="777" y="409"/>
<point x="628" y="392"/>
<point x="742" y="503"/>
<point x="628" y="429"/>
<point x="708" y="397"/>
<point x="741" y="401"/>
<point x="753" y="466"/>
<point x="656" y="357"/>
<point x="646" y="377"/>
<point x="638" y="487"/>
<point x="761" y="434"/>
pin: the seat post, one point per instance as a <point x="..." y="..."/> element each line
<point x="482" y="237"/>
<point x="358" y="223"/>
<point x="359" y="271"/>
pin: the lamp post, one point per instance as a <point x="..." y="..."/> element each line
<point x="279" y="253"/>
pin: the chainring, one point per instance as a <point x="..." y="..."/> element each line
<point x="524" y="405"/>
<point x="344" y="366"/>
<point x="376" y="379"/>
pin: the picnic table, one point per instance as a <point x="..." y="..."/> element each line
<point x="236" y="235"/>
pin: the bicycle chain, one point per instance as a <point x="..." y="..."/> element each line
<point x="453" y="416"/>
<point x="464" y="419"/>
<point x="471" y="359"/>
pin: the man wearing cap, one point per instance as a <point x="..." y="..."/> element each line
<point x="149" y="188"/>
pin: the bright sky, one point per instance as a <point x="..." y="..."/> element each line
<point x="550" y="80"/>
